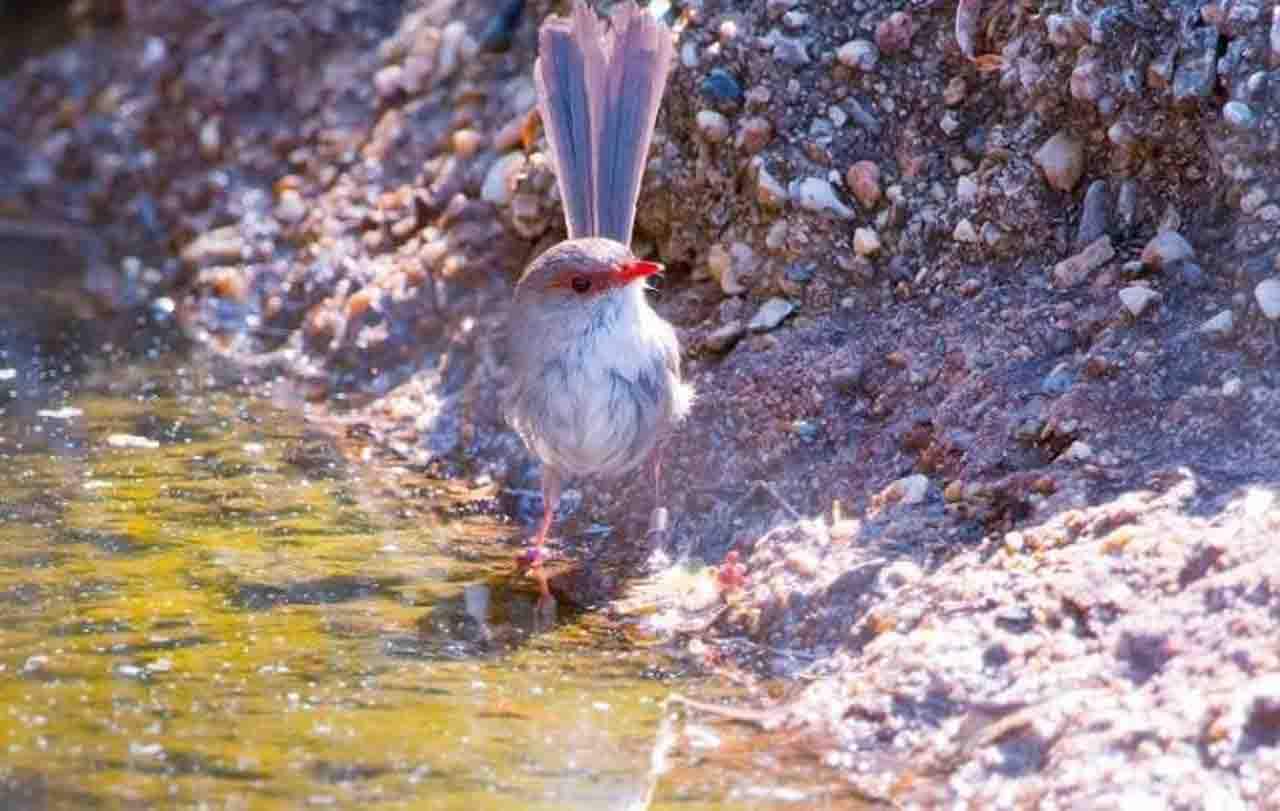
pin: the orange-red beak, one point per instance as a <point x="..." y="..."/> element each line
<point x="638" y="269"/>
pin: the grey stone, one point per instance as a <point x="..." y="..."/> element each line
<point x="1127" y="206"/>
<point x="1166" y="249"/>
<point x="772" y="313"/>
<point x="1093" y="214"/>
<point x="1238" y="115"/>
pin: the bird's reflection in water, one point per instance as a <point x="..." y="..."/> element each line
<point x="481" y="620"/>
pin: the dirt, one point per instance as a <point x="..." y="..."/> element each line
<point x="1018" y="458"/>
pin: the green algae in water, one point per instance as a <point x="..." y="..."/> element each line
<point x="199" y="608"/>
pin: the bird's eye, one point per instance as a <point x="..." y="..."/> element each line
<point x="580" y="284"/>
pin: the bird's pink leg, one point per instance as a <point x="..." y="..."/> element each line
<point x="532" y="557"/>
<point x="656" y="461"/>
<point x="657" y="518"/>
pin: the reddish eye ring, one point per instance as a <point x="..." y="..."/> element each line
<point x="580" y="284"/>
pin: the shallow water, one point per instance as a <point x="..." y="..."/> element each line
<point x="203" y="603"/>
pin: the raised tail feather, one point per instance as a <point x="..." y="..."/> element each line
<point x="598" y="94"/>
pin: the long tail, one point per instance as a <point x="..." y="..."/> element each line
<point x="598" y="93"/>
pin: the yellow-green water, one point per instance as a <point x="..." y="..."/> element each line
<point x="239" y="618"/>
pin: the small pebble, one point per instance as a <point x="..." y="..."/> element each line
<point x="456" y="47"/>
<point x="776" y="238"/>
<point x="992" y="235"/>
<point x="466" y="142"/>
<point x="220" y="246"/>
<point x="966" y="190"/>
<point x="1232" y="388"/>
<point x="1059" y="380"/>
<point x="770" y="192"/>
<point x="1136" y="299"/>
<point x="290" y="208"/>
<point x="866" y="242"/>
<point x="1122" y="134"/>
<point x="894" y="33"/>
<point x="1086" y="81"/>
<point x="795" y="20"/>
<point x="1064" y="30"/>
<point x="1267" y="294"/>
<point x="859" y="54"/>
<point x="1165" y="249"/>
<point x="965" y="232"/>
<point x="1075" y="269"/>
<point x="753" y="135"/>
<point x="1253" y="200"/>
<point x="500" y="181"/>
<point x="800" y="272"/>
<point x="863" y="117"/>
<point x="792" y="51"/>
<point x="211" y="138"/>
<point x="713" y="126"/>
<point x="772" y="313"/>
<point x="1093" y="214"/>
<point x="1127" y="205"/>
<point x="732" y="267"/>
<point x="388" y="81"/>
<point x="955" y="92"/>
<point x="907" y="491"/>
<point x="1274" y="37"/>
<point x="863" y="179"/>
<point x="1061" y="158"/>
<point x="1238" y="115"/>
<point x="1078" y="451"/>
<point x="1220" y="325"/>
<point x="819" y="196"/>
<point x="720" y="88"/>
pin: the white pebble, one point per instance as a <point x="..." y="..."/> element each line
<point x="1267" y="294"/>
<point x="1136" y="299"/>
<point x="866" y="242"/>
<point x="291" y="208"/>
<point x="713" y="126"/>
<point x="965" y="232"/>
<point x="1220" y="324"/>
<point x="818" y="195"/>
<point x="500" y="181"/>
<point x="388" y="80"/>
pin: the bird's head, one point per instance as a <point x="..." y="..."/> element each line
<point x="582" y="276"/>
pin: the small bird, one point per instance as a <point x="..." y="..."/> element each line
<point x="595" y="371"/>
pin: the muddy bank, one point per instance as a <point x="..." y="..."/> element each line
<point x="985" y="291"/>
